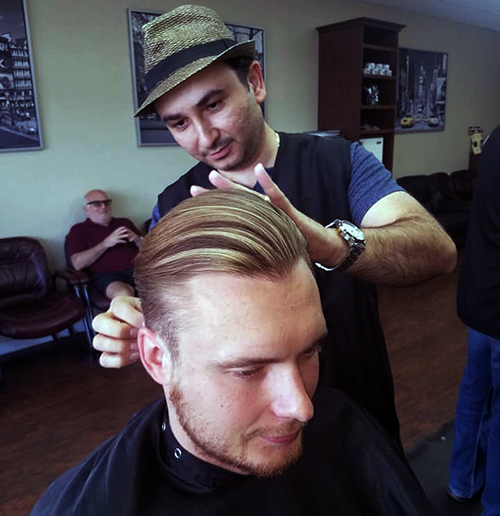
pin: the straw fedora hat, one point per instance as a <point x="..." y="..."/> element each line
<point x="182" y="42"/>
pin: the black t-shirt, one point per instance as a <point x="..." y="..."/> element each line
<point x="349" y="467"/>
<point x="478" y="294"/>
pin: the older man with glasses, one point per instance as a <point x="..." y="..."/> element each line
<point x="105" y="246"/>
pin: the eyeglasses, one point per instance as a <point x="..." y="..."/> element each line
<point x="99" y="204"/>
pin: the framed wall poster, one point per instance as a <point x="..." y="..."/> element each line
<point x="421" y="95"/>
<point x="19" y="120"/>
<point x="151" y="131"/>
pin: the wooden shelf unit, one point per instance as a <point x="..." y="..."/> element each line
<point x="377" y="106"/>
<point x="344" y="50"/>
<point x="374" y="132"/>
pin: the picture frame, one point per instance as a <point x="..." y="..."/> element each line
<point x="150" y="130"/>
<point x="19" y="118"/>
<point x="421" y="91"/>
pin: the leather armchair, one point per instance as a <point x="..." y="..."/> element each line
<point x="83" y="289"/>
<point x="447" y="197"/>
<point x="30" y="306"/>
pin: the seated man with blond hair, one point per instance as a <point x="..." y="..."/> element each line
<point x="105" y="246"/>
<point x="233" y="331"/>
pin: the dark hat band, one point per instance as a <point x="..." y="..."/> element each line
<point x="170" y="64"/>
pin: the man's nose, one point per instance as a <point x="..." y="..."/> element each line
<point x="207" y="135"/>
<point x="290" y="397"/>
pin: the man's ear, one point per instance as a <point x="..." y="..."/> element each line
<point x="155" y="356"/>
<point x="256" y="82"/>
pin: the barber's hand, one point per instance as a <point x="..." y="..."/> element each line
<point x="323" y="245"/>
<point x="117" y="332"/>
<point x="119" y="236"/>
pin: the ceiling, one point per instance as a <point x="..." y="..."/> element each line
<point x="481" y="13"/>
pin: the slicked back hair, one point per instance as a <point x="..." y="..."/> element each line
<point x="222" y="231"/>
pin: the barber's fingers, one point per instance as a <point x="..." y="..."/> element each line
<point x="113" y="345"/>
<point x="122" y="320"/>
<point x="117" y="331"/>
<point x="219" y="181"/>
<point x="129" y="309"/>
<point x="272" y="190"/>
<point x="197" y="190"/>
<point x="118" y="360"/>
<point x="116" y="352"/>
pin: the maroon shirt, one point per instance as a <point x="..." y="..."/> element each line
<point x="88" y="234"/>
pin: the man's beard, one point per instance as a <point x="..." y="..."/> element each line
<point x="212" y="448"/>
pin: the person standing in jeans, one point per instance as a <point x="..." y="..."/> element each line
<point x="475" y="461"/>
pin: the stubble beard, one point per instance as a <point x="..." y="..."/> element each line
<point x="213" y="450"/>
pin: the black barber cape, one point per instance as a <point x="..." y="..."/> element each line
<point x="349" y="467"/>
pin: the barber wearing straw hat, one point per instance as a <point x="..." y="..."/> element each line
<point x="361" y="229"/>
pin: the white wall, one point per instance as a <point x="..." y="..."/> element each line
<point x="82" y="65"/>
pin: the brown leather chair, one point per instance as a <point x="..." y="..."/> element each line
<point x="30" y="306"/>
<point x="82" y="287"/>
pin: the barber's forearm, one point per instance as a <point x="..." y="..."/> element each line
<point x="86" y="258"/>
<point x="407" y="251"/>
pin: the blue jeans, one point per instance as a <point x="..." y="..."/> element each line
<point x="475" y="460"/>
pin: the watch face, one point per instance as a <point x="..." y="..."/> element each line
<point x="357" y="233"/>
<point x="353" y="230"/>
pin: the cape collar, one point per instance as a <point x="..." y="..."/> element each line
<point x="189" y="472"/>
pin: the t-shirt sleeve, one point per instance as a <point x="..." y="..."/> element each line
<point x="370" y="182"/>
<point x="155" y="217"/>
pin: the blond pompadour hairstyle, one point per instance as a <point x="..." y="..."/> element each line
<point x="223" y="231"/>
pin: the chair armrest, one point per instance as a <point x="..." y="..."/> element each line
<point x="73" y="276"/>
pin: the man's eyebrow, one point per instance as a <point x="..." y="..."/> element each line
<point x="202" y="102"/>
<point x="170" y="118"/>
<point x="238" y="362"/>
<point x="206" y="98"/>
